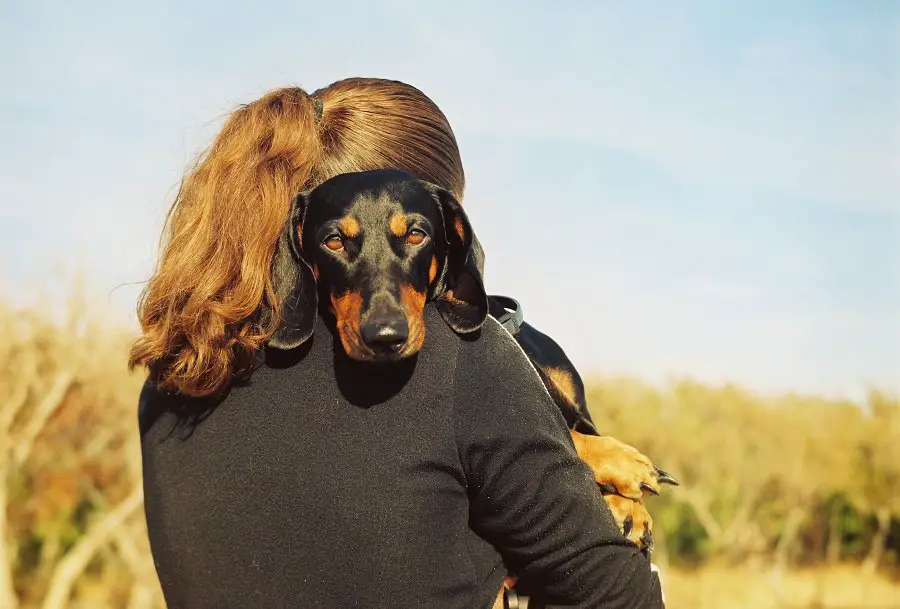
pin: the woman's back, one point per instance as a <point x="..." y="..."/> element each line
<point x="324" y="482"/>
<point x="325" y="495"/>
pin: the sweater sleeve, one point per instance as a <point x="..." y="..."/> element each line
<point x="530" y="494"/>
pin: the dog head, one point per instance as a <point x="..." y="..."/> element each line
<point x="371" y="248"/>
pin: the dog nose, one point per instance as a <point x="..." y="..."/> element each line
<point x="385" y="335"/>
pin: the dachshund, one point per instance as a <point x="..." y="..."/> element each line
<point x="374" y="244"/>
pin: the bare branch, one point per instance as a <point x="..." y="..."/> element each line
<point x="27" y="369"/>
<point x="137" y="560"/>
<point x="146" y="587"/>
<point x="7" y="589"/>
<point x="700" y="505"/>
<point x="54" y="397"/>
<point x="788" y="537"/>
<point x="876" y="551"/>
<point x="141" y="597"/>
<point x="12" y="407"/>
<point x="738" y="524"/>
<point x="76" y="560"/>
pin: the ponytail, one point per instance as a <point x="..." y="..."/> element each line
<point x="201" y="311"/>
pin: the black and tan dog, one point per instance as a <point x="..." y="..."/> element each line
<point x="379" y="245"/>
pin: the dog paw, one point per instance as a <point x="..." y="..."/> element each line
<point x="619" y="468"/>
<point x="633" y="519"/>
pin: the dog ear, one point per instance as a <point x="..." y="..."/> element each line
<point x="459" y="294"/>
<point x="295" y="284"/>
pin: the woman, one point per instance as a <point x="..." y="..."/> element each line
<point x="207" y="314"/>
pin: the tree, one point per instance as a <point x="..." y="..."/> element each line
<point x="877" y="488"/>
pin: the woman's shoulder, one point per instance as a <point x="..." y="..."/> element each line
<point x="156" y="405"/>
<point x="495" y="350"/>
<point x="491" y="355"/>
<point x="151" y="406"/>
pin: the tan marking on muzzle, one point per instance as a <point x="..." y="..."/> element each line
<point x="432" y="270"/>
<point x="414" y="306"/>
<point x="347" y="309"/>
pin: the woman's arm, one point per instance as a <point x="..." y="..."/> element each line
<point x="552" y="364"/>
<point x="623" y="473"/>
<point x="532" y="497"/>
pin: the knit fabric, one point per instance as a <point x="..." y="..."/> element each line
<point x="325" y="482"/>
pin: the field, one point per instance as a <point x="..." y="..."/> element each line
<point x="743" y="587"/>
<point x="786" y="501"/>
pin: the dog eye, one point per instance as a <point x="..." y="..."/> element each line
<point x="334" y="242"/>
<point x="415" y="236"/>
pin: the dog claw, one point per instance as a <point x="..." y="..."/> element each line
<point x="649" y="489"/>
<point x="627" y="525"/>
<point x="647" y="540"/>
<point x="608" y="489"/>
<point x="665" y="478"/>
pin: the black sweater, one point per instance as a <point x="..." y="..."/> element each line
<point x="323" y="482"/>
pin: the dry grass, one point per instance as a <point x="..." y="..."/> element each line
<point x="742" y="587"/>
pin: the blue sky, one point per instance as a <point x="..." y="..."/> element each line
<point x="709" y="189"/>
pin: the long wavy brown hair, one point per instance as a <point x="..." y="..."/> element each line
<point x="210" y="305"/>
